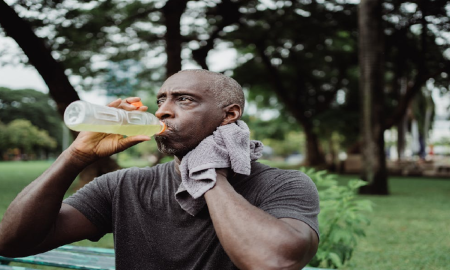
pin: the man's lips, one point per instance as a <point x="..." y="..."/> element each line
<point x="166" y="130"/>
<point x="170" y="126"/>
<point x="163" y="128"/>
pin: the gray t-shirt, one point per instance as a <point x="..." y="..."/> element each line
<point x="150" y="229"/>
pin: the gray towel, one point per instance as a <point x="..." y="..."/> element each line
<point x="229" y="147"/>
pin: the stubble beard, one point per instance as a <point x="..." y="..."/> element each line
<point x="163" y="146"/>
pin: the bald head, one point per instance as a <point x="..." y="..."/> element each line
<point x="225" y="89"/>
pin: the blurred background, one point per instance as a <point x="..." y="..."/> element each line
<point x="359" y="89"/>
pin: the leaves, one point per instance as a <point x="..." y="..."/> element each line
<point x="341" y="218"/>
<point x="335" y="259"/>
<point x="32" y="105"/>
<point x="29" y="139"/>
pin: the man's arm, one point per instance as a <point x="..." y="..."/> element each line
<point x="35" y="217"/>
<point x="254" y="239"/>
<point x="37" y="220"/>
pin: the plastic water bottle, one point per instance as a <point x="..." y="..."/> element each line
<point x="85" y="116"/>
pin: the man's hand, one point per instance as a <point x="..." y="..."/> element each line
<point x="225" y="172"/>
<point x="90" y="146"/>
<point x="252" y="238"/>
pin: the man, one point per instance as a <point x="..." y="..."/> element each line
<point x="267" y="220"/>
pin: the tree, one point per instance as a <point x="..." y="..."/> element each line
<point x="34" y="106"/>
<point x="3" y="139"/>
<point x="29" y="139"/>
<point x="371" y="49"/>
<point x="172" y="11"/>
<point x="72" y="43"/>
<point x="304" y="65"/>
<point x="51" y="70"/>
<point x="39" y="55"/>
<point x="416" y="48"/>
<point x="89" y="35"/>
<point x="414" y="54"/>
<point x="272" y="39"/>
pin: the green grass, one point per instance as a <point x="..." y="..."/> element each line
<point x="409" y="229"/>
<point x="16" y="175"/>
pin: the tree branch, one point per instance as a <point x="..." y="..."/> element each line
<point x="172" y="11"/>
<point x="277" y="82"/>
<point x="412" y="90"/>
<point x="325" y="105"/>
<point x="229" y="11"/>
<point x="39" y="56"/>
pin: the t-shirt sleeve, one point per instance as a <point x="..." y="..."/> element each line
<point x="292" y="195"/>
<point x="94" y="201"/>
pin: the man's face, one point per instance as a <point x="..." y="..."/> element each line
<point x="188" y="107"/>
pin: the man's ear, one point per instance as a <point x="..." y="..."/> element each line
<point x="232" y="113"/>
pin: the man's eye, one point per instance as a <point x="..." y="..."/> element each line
<point x="159" y="101"/>
<point x="184" y="99"/>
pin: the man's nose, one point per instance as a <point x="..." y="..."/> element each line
<point x="164" y="111"/>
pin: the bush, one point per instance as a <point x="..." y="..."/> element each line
<point x="21" y="137"/>
<point x="341" y="219"/>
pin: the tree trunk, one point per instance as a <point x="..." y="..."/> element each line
<point x="402" y="124"/>
<point x="371" y="50"/>
<point x="333" y="157"/>
<point x="39" y="55"/>
<point x="229" y="12"/>
<point x="401" y="139"/>
<point x="172" y="12"/>
<point x="422" y="74"/>
<point x="52" y="72"/>
<point x="314" y="155"/>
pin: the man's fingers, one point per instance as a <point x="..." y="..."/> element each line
<point x="132" y="99"/>
<point x="143" y="108"/>
<point x="126" y="104"/>
<point x="133" y="140"/>
<point x="115" y="103"/>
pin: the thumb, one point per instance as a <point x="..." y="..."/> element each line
<point x="133" y="140"/>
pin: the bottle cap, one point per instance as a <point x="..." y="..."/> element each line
<point x="137" y="104"/>
<point x="164" y="127"/>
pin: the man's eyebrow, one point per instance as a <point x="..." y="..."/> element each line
<point x="178" y="92"/>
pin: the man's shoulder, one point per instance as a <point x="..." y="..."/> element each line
<point x="136" y="173"/>
<point x="280" y="192"/>
<point x="263" y="170"/>
<point x="269" y="177"/>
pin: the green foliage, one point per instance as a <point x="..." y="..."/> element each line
<point x="29" y="139"/>
<point x="32" y="105"/>
<point x="341" y="220"/>
<point x="3" y="138"/>
<point x="294" y="142"/>
<point x="303" y="65"/>
<point x="275" y="128"/>
<point x="302" y="54"/>
<point x="443" y="141"/>
<point x="423" y="109"/>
